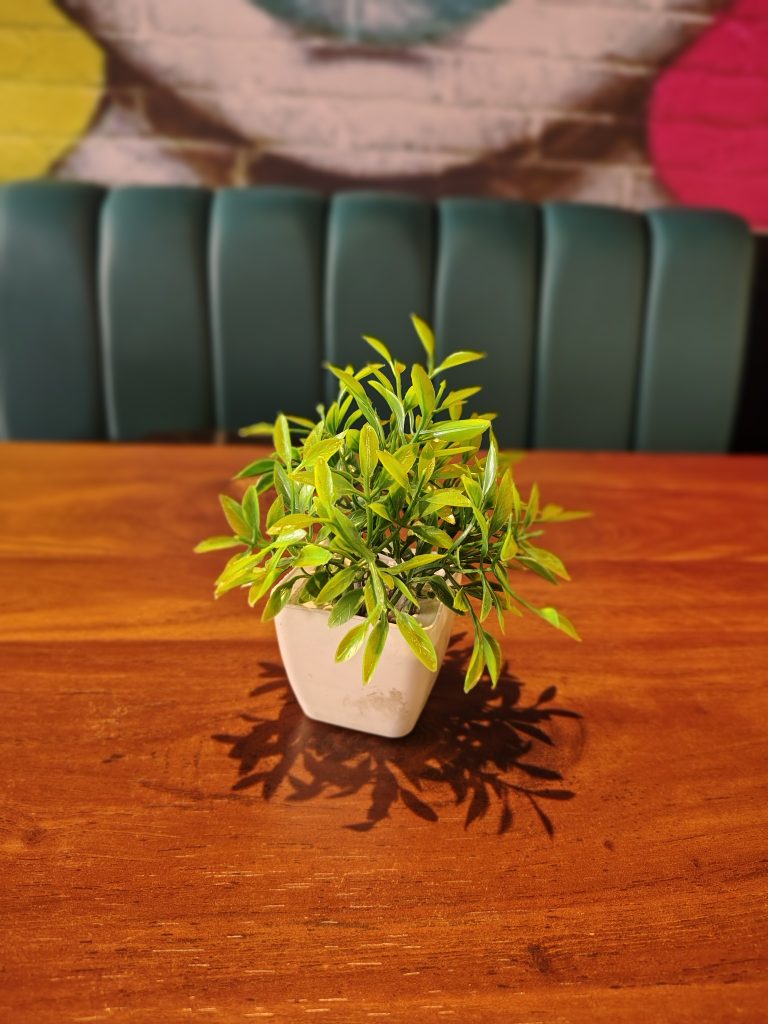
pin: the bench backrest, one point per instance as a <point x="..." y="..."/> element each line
<point x="140" y="311"/>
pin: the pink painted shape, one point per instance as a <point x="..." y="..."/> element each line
<point x="708" y="117"/>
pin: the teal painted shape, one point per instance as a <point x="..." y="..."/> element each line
<point x="267" y="250"/>
<point x="378" y="272"/>
<point x="592" y="303"/>
<point x="396" y="22"/>
<point x="486" y="298"/>
<point x="695" y="330"/>
<point x="154" y="311"/>
<point x="50" y="365"/>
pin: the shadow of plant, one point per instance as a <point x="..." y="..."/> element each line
<point x="485" y="748"/>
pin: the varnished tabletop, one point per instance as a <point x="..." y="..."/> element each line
<point x="179" y="843"/>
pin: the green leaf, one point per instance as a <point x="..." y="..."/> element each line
<point x="352" y="642"/>
<point x="216" y="544"/>
<point x="492" y="656"/>
<point x="353" y="385"/>
<point x="441" y="591"/>
<point x="349" y="535"/>
<point x="448" y="496"/>
<point x="557" y="514"/>
<point x="487" y="603"/>
<point x="475" y="667"/>
<point x="368" y="449"/>
<point x="415" y="563"/>
<point x="252" y="511"/>
<point x="535" y="567"/>
<point x="509" y="548"/>
<point x="324" y="482"/>
<point x="394" y="468"/>
<point x="380" y="347"/>
<point x="257" y="468"/>
<point x="532" y="509"/>
<point x="278" y="599"/>
<point x="503" y="502"/>
<point x="392" y="401"/>
<point x="276" y="511"/>
<point x="458" y="430"/>
<point x="559" y="621"/>
<point x="434" y="536"/>
<point x="418" y="640"/>
<point x="491" y="468"/>
<point x="257" y="430"/>
<point x="302" y="421"/>
<point x="259" y="589"/>
<point x="319" y="450"/>
<point x="350" y="382"/>
<point x="233" y="513"/>
<point x="370" y="599"/>
<point x="458" y="359"/>
<point x="374" y="648"/>
<point x="345" y="608"/>
<point x="378" y="588"/>
<point x="380" y="510"/>
<point x="291" y="522"/>
<point x="336" y="585"/>
<point x="312" y="554"/>
<point x="460" y="396"/>
<point x="424" y="388"/>
<point x="287" y="537"/>
<point x="548" y="559"/>
<point x="283" y="485"/>
<point x="281" y="438"/>
<point x="407" y="593"/>
<point x="426" y="337"/>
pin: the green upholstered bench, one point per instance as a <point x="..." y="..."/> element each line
<point x="137" y="312"/>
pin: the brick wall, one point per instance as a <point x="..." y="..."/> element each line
<point x="533" y="98"/>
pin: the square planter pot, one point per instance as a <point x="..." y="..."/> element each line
<point x="334" y="692"/>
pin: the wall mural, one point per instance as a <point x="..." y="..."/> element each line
<point x="632" y="102"/>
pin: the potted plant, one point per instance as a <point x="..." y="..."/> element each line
<point x="383" y="527"/>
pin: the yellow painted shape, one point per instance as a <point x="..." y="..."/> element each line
<point x="51" y="78"/>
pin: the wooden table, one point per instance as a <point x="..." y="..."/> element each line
<point x="179" y="843"/>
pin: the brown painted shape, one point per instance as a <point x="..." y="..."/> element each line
<point x="141" y="881"/>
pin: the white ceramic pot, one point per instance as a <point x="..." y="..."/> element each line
<point x="334" y="693"/>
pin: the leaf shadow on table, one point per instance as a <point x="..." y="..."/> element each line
<point x="486" y="750"/>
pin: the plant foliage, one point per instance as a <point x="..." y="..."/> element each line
<point x="371" y="515"/>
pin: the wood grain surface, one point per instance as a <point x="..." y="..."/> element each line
<point x="588" y="843"/>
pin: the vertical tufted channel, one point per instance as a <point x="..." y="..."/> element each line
<point x="50" y="365"/>
<point x="379" y="271"/>
<point x="266" y="272"/>
<point x="486" y="299"/>
<point x="154" y="312"/>
<point x="590" y="326"/>
<point x="695" y="330"/>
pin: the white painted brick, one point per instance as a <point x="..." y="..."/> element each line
<point x="647" y="192"/>
<point x="532" y="83"/>
<point x="299" y="123"/>
<point x="574" y="30"/>
<point x="117" y="161"/>
<point x="106" y="17"/>
<point x="233" y="19"/>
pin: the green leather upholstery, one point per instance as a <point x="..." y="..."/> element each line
<point x="50" y="360"/>
<point x="154" y="311"/>
<point x="173" y="311"/>
<point x="592" y="296"/>
<point x="697" y="297"/>
<point x="267" y="253"/>
<point x="486" y="298"/>
<point x="379" y="270"/>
